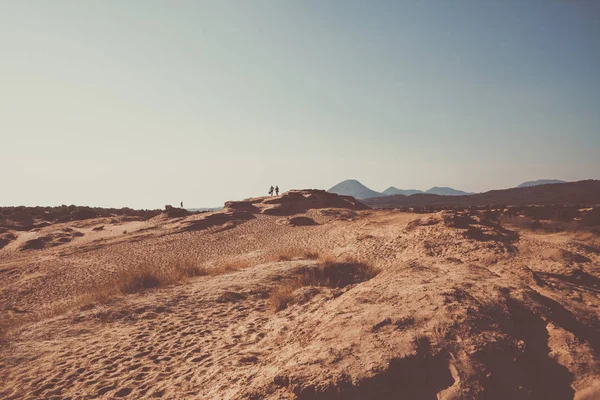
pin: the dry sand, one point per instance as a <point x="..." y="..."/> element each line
<point x="462" y="308"/>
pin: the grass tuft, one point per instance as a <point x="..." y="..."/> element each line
<point x="296" y="253"/>
<point x="327" y="273"/>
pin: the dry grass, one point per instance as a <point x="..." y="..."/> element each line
<point x="282" y="295"/>
<point x="296" y="253"/>
<point x="227" y="267"/>
<point x="155" y="275"/>
<point x="140" y="278"/>
<point x="329" y="272"/>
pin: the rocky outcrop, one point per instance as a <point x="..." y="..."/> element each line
<point x="296" y="202"/>
<point x="173" y="212"/>
<point x="23" y="218"/>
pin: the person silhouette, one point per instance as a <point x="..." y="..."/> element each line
<point x="182" y="204"/>
<point x="276" y="190"/>
<point x="271" y="191"/>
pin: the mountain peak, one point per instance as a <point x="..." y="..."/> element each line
<point x="352" y="187"/>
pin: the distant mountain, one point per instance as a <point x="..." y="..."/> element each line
<point x="446" y="191"/>
<point x="407" y="192"/>
<point x="540" y="182"/>
<point x="582" y="192"/>
<point x="354" y="188"/>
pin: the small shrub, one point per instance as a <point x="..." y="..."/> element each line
<point x="156" y="274"/>
<point x="189" y="268"/>
<point x="327" y="273"/>
<point x="140" y="279"/>
<point x="343" y="273"/>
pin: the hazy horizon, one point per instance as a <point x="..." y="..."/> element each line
<point x="142" y="104"/>
<point x="201" y="207"/>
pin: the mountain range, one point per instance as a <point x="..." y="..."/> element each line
<point x="581" y="193"/>
<point x="352" y="187"/>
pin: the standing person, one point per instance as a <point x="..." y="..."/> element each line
<point x="271" y="191"/>
<point x="276" y="190"/>
<point x="182" y="204"/>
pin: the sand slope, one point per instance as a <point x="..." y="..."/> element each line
<point x="462" y="308"/>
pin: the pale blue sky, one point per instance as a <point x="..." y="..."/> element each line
<point x="147" y="103"/>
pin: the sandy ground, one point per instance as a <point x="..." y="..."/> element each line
<point x="462" y="308"/>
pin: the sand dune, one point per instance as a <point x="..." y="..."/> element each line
<point x="461" y="307"/>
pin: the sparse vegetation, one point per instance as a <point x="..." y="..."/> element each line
<point x="137" y="279"/>
<point x="296" y="253"/>
<point x="282" y="295"/>
<point x="154" y="275"/>
<point x="329" y="272"/>
<point x="145" y="277"/>
<point x="226" y="267"/>
<point x="23" y="218"/>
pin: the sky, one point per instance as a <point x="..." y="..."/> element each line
<point x="146" y="103"/>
